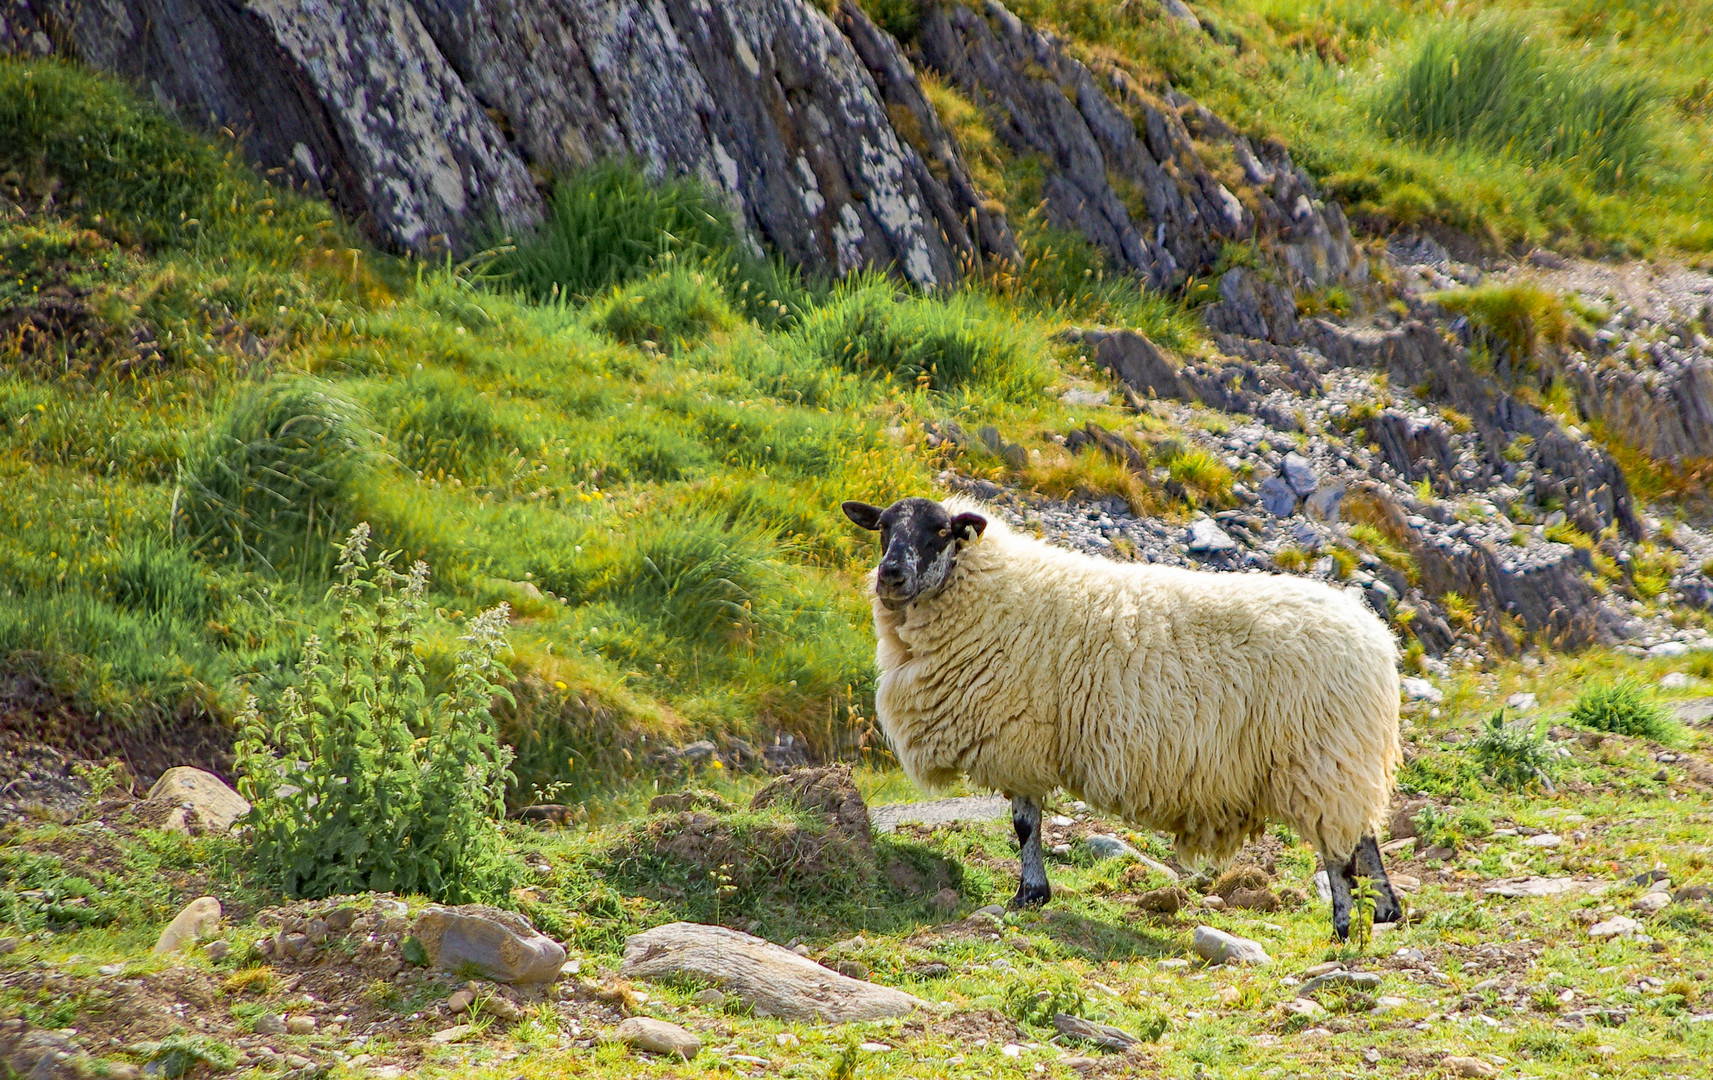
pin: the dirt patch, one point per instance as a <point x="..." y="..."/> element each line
<point x="33" y="715"/>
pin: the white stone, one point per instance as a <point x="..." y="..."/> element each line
<point x="1543" y="840"/>
<point x="1218" y="947"/>
<point x="1651" y="903"/>
<point x="1521" y="702"/>
<point x="658" y="1037"/>
<point x="196" y="921"/>
<point x="1616" y="926"/>
<point x="1421" y="690"/>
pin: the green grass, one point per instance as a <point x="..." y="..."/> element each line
<point x="1494" y="85"/>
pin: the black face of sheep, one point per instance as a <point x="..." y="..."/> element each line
<point x="918" y="545"/>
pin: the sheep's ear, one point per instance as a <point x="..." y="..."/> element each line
<point x="864" y="515"/>
<point x="968" y="526"/>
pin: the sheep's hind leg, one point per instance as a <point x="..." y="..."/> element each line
<point x="1367" y="862"/>
<point x="1338" y="878"/>
<point x="1033" y="890"/>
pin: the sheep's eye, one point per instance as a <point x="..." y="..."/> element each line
<point x="945" y="533"/>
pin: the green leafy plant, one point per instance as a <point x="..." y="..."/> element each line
<point x="1037" y="1001"/>
<point x="1514" y="756"/>
<point x="365" y="782"/>
<point x="1624" y="707"/>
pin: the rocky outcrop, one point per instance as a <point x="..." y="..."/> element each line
<point x="1236" y="386"/>
<point x="1566" y="469"/>
<point x="1123" y="167"/>
<point x="1660" y="401"/>
<point x="424" y="119"/>
<point x="1543" y="587"/>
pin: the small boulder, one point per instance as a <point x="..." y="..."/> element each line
<point x="460" y="1001"/>
<point x="1299" y="474"/>
<point x="1166" y="901"/>
<point x="190" y="800"/>
<point x="1277" y="498"/>
<point x="1471" y="1067"/>
<point x="1207" y="538"/>
<point x="658" y="1037"/>
<point x="709" y="998"/>
<point x="1651" y="903"/>
<point x="1421" y="690"/>
<point x="1322" y="505"/>
<point x="199" y="918"/>
<point x="300" y="1025"/>
<point x="270" y="1024"/>
<point x="502" y="945"/>
<point x="1218" y="947"/>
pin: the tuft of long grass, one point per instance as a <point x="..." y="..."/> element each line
<point x="1624" y="707"/>
<point x="608" y="225"/>
<point x="962" y="341"/>
<point x="1493" y="84"/>
<point x="673" y="310"/>
<point x="1521" y="315"/>
<point x="276" y="480"/>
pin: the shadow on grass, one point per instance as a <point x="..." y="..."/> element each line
<point x="1098" y="940"/>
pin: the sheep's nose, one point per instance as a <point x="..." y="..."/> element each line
<point x="890" y="576"/>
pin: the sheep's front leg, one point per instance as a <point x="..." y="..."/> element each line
<point x="1033" y="890"/>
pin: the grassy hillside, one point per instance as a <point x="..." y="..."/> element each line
<point x="632" y="435"/>
<point x="1587" y="127"/>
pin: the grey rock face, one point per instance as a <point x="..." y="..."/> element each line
<point x="351" y="99"/>
<point x="1662" y="403"/>
<point x="423" y="119"/>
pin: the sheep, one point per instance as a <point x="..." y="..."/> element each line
<point x="1201" y="704"/>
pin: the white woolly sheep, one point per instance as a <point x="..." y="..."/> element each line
<point x="1201" y="704"/>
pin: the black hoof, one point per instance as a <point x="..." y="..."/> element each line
<point x="1031" y="896"/>
<point x="1341" y="930"/>
<point x="1387" y="911"/>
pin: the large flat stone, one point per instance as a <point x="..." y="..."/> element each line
<point x="771" y="980"/>
<point x="209" y="802"/>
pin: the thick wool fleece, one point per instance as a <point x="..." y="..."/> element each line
<point x="1200" y="704"/>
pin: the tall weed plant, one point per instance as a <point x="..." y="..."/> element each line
<point x="363" y="781"/>
<point x="1490" y="83"/>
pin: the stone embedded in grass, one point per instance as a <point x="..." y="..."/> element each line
<point x="452" y="1034"/>
<point x="1104" y="1036"/>
<point x="1218" y="947"/>
<point x="1469" y="1067"/>
<point x="501" y="945"/>
<point x="1207" y="538"/>
<point x="197" y="920"/>
<point x="1544" y="840"/>
<point x="1651" y="903"/>
<point x="1616" y="926"/>
<point x="270" y="1024"/>
<point x="658" y="1037"/>
<point x="1301" y="1006"/>
<point x="189" y="800"/>
<point x="1421" y="690"/>
<point x="1107" y="847"/>
<point x="300" y="1025"/>
<point x="771" y="980"/>
<point x="1356" y="980"/>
